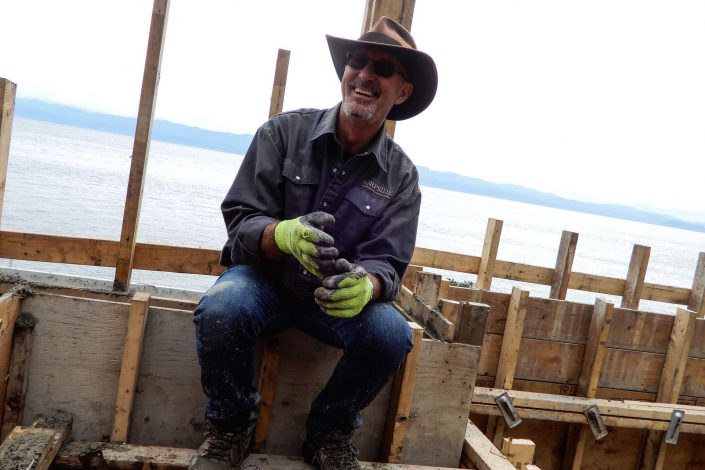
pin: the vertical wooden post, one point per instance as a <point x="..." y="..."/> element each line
<point x="588" y="380"/>
<point x="696" y="302"/>
<point x="17" y="380"/>
<point x="268" y="372"/>
<point x="10" y="308"/>
<point x="279" y="87"/>
<point x="7" y="110"/>
<point x="508" y="355"/>
<point x="399" y="10"/>
<point x="671" y="381"/>
<point x="400" y="400"/>
<point x="564" y="265"/>
<point x="635" y="276"/>
<point x="130" y="369"/>
<point x="428" y="287"/>
<point x="140" y="150"/>
<point x="489" y="254"/>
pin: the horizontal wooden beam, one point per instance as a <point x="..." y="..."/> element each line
<point x="128" y="457"/>
<point x="152" y="257"/>
<point x="482" y="453"/>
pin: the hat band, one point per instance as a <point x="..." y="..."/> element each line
<point x="379" y="38"/>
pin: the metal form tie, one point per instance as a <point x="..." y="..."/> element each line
<point x="674" y="427"/>
<point x="511" y="417"/>
<point x="597" y="425"/>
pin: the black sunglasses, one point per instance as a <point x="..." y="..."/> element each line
<point x="383" y="67"/>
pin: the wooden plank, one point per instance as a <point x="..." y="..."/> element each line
<point x="279" y="86"/>
<point x="10" y="309"/>
<point x="410" y="276"/>
<point x="400" y="401"/>
<point x="177" y="259"/>
<point x="17" y="381"/>
<point x="7" y="109"/>
<point x="428" y="317"/>
<point x="428" y="287"/>
<point x="489" y="254"/>
<point x="482" y="453"/>
<point x="671" y="382"/>
<point x="511" y="342"/>
<point x="129" y="371"/>
<point x="696" y="302"/>
<point x="269" y="368"/>
<point x="36" y="446"/>
<point x="589" y="378"/>
<point x="129" y="457"/>
<point x="472" y="324"/>
<point x="564" y="265"/>
<point x="445" y="260"/>
<point x="635" y="276"/>
<point x="520" y="452"/>
<point x="140" y="149"/>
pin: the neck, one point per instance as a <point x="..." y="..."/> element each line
<point x="355" y="135"/>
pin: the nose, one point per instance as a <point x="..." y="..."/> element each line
<point x="367" y="71"/>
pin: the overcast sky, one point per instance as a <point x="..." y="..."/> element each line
<point x="596" y="100"/>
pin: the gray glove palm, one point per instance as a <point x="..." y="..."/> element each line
<point x="305" y="238"/>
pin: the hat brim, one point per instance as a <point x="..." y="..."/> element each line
<point x="419" y="66"/>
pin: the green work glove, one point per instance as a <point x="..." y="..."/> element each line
<point x="305" y="239"/>
<point x="345" y="294"/>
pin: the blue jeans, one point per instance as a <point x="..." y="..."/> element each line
<point x="244" y="304"/>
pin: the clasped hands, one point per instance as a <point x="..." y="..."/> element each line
<point x="346" y="287"/>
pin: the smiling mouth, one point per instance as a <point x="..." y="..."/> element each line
<point x="364" y="92"/>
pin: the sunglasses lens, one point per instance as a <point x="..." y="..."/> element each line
<point x="358" y="62"/>
<point x="384" y="68"/>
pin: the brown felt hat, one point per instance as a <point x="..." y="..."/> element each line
<point x="389" y="35"/>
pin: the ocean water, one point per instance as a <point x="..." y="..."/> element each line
<point x="69" y="181"/>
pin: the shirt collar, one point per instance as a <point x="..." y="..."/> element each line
<point x="378" y="145"/>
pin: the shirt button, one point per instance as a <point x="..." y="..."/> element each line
<point x="343" y="173"/>
<point x="367" y="207"/>
<point x="305" y="272"/>
<point x="335" y="170"/>
<point x="298" y="178"/>
<point x="325" y="204"/>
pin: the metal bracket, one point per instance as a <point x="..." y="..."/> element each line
<point x="597" y="426"/>
<point x="511" y="417"/>
<point x="674" y="427"/>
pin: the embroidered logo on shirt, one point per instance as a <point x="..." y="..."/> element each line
<point x="377" y="189"/>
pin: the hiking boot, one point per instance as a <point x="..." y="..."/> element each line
<point x="336" y="456"/>
<point x="222" y="450"/>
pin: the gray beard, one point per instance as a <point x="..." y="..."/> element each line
<point x="358" y="112"/>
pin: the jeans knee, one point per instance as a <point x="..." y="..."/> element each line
<point x="389" y="336"/>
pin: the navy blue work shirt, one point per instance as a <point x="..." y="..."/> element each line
<point x="295" y="165"/>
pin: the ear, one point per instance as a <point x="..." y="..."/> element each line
<point x="404" y="93"/>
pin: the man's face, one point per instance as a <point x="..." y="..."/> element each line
<point x="372" y="83"/>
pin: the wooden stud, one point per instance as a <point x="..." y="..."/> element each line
<point x="635" y="276"/>
<point x="511" y="342"/>
<point x="481" y="451"/>
<point x="279" y="87"/>
<point x="470" y="328"/>
<point x="7" y="110"/>
<point x="410" y="276"/>
<point x="444" y="289"/>
<point x="696" y="302"/>
<point x="589" y="378"/>
<point x="129" y="371"/>
<point x="429" y="287"/>
<point x="10" y="309"/>
<point x="425" y="315"/>
<point x="140" y="150"/>
<point x="489" y="254"/>
<point x="520" y="452"/>
<point x="34" y="447"/>
<point x="399" y="409"/>
<point x="564" y="265"/>
<point x="671" y="382"/>
<point x="269" y="370"/>
<point x="17" y="380"/>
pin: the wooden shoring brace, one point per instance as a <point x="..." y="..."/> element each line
<point x="140" y="149"/>
<point x="635" y="276"/>
<point x="482" y="452"/>
<point x="7" y="109"/>
<point x="696" y="302"/>
<point x="10" y="309"/>
<point x="489" y="253"/>
<point x="589" y="377"/>
<point x="469" y="320"/>
<point x="508" y="356"/>
<point x="17" y="376"/>
<point x="411" y="276"/>
<point x="129" y="371"/>
<point x="671" y="382"/>
<point x="520" y="452"/>
<point x="399" y="409"/>
<point x="428" y="287"/>
<point x="34" y="447"/>
<point x="269" y="369"/>
<point x="564" y="265"/>
<point x="276" y="104"/>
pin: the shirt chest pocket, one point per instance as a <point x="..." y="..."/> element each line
<point x="300" y="185"/>
<point x="366" y="202"/>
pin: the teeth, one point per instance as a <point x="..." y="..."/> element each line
<point x="363" y="91"/>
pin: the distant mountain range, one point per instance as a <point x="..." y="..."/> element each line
<point x="237" y="143"/>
